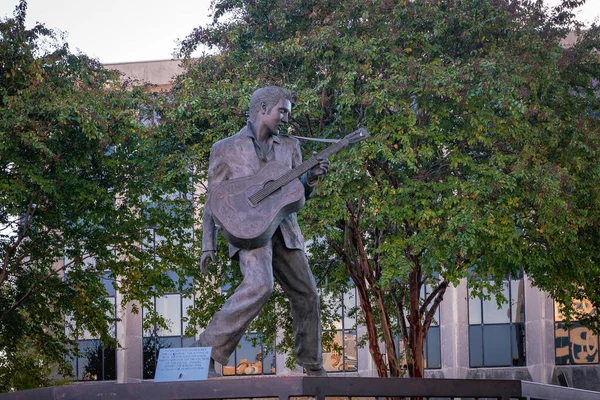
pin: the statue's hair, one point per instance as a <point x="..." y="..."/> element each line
<point x="270" y="95"/>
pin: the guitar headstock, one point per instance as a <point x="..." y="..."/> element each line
<point x="357" y="136"/>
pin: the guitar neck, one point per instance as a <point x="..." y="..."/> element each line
<point x="297" y="171"/>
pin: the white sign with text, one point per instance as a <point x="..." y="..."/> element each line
<point x="182" y="364"/>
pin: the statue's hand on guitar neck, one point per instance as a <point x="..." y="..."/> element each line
<point x="320" y="169"/>
<point x="206" y="256"/>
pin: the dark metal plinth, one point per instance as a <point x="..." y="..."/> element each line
<point x="296" y="386"/>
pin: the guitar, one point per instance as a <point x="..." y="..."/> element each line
<point x="248" y="210"/>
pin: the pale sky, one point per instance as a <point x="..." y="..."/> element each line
<point x="140" y="30"/>
<point x="118" y="30"/>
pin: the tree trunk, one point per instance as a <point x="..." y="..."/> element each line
<point x="416" y="334"/>
<point x="365" y="305"/>
<point x="416" y="361"/>
<point x="388" y="337"/>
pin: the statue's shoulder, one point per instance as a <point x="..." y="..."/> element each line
<point x="228" y="141"/>
<point x="288" y="140"/>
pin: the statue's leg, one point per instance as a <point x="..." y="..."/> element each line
<point x="229" y="324"/>
<point x="291" y="270"/>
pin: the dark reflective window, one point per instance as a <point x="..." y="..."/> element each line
<point x="94" y="362"/>
<point x="497" y="346"/>
<point x="108" y="281"/>
<point x="433" y="349"/>
<point x="475" y="346"/>
<point x="497" y="335"/>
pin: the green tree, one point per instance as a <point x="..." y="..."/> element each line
<point x="85" y="181"/>
<point x="484" y="153"/>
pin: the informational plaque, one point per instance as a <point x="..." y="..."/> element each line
<point x="183" y="364"/>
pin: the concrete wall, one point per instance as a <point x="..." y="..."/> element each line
<point x="157" y="75"/>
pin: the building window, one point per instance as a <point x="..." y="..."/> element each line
<point x="497" y="335"/>
<point x="248" y="359"/>
<point x="433" y="348"/>
<point x="576" y="344"/>
<point x="172" y="307"/>
<point x="341" y="356"/>
<point x="94" y="362"/>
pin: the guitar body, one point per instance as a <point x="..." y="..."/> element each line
<point x="247" y="226"/>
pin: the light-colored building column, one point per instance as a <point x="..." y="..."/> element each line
<point x="539" y="333"/>
<point x="454" y="332"/>
<point x="129" y="334"/>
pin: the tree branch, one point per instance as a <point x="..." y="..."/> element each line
<point x="438" y="299"/>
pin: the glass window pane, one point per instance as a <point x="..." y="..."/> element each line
<point x="561" y="344"/>
<point x="110" y="364"/>
<point x="350" y="353"/>
<point x="474" y="310"/>
<point x="332" y="358"/>
<point x="147" y="332"/>
<point x="269" y="363"/>
<point x="496" y="345"/>
<point x="518" y="345"/>
<point x="187" y="341"/>
<point x="113" y="313"/>
<point x="187" y="303"/>
<point x="475" y="346"/>
<point x="583" y="345"/>
<point x="336" y="307"/>
<point x="148" y="241"/>
<point x="70" y="327"/>
<point x="86" y="335"/>
<point x="187" y="284"/>
<point x="229" y="369"/>
<point x="150" y="349"/>
<point x="169" y="307"/>
<point x="491" y="313"/>
<point x="433" y="350"/>
<point x="246" y="360"/>
<point x="518" y="300"/>
<point x="89" y="360"/>
<point x="169" y="343"/>
<point x="349" y="304"/>
<point x="436" y="319"/>
<point x="107" y="280"/>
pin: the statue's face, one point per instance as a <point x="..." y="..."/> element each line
<point x="277" y="117"/>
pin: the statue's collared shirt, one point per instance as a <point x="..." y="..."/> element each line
<point x="263" y="156"/>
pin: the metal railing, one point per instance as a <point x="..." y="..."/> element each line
<point x="285" y="388"/>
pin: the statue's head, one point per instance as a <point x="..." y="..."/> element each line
<point x="270" y="96"/>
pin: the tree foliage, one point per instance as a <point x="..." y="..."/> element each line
<point x="85" y="182"/>
<point x="484" y="153"/>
